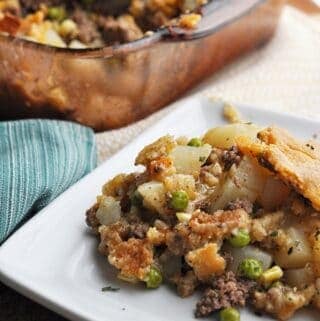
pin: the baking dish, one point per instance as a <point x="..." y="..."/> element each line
<point x="111" y="87"/>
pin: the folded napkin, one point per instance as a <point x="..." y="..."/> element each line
<point x="39" y="159"/>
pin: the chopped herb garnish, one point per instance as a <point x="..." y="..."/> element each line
<point x="290" y="250"/>
<point x="202" y="158"/>
<point x="109" y="289"/>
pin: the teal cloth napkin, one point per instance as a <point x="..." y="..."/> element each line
<point x="39" y="159"/>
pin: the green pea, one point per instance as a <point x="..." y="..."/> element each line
<point x="250" y="268"/>
<point x="179" y="200"/>
<point x="57" y="13"/>
<point x="241" y="239"/>
<point x="195" y="142"/>
<point x="154" y="278"/>
<point x="229" y="314"/>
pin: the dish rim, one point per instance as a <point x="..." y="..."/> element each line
<point x="216" y="15"/>
<point x="36" y="293"/>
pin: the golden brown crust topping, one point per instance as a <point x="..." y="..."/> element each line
<point x="282" y="301"/>
<point x="206" y="261"/>
<point x="218" y="225"/>
<point x="294" y="162"/>
<point x="159" y="148"/>
<point x="132" y="257"/>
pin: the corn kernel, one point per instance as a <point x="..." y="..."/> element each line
<point x="183" y="217"/>
<point x="271" y="275"/>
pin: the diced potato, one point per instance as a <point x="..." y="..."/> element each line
<point x="297" y="252"/>
<point x="188" y="159"/>
<point x="109" y="210"/>
<point x="315" y="242"/>
<point x="68" y="28"/>
<point x="44" y="33"/>
<point x="154" y="196"/>
<point x="183" y="182"/>
<point x="76" y="44"/>
<point x="225" y="136"/>
<point x="248" y="252"/>
<point x="206" y="261"/>
<point x="246" y="182"/>
<point x="299" y="277"/>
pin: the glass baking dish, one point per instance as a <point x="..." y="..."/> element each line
<point x="110" y="87"/>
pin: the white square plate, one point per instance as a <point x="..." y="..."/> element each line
<point x="53" y="259"/>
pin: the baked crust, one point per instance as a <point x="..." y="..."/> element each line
<point x="296" y="163"/>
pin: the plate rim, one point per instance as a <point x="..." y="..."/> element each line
<point x="39" y="295"/>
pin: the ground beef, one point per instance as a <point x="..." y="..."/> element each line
<point x="170" y="264"/>
<point x="240" y="204"/>
<point x="187" y="284"/>
<point x="125" y="203"/>
<point x="203" y="205"/>
<point x="138" y="230"/>
<point x="88" y="31"/>
<point x="226" y="291"/>
<point x="228" y="258"/>
<point x="110" y="7"/>
<point x="91" y="218"/>
<point x="32" y="5"/>
<point x="230" y="157"/>
<point x="118" y="30"/>
<point x="177" y="243"/>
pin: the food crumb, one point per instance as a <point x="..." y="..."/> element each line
<point x="231" y="114"/>
<point x="189" y="21"/>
